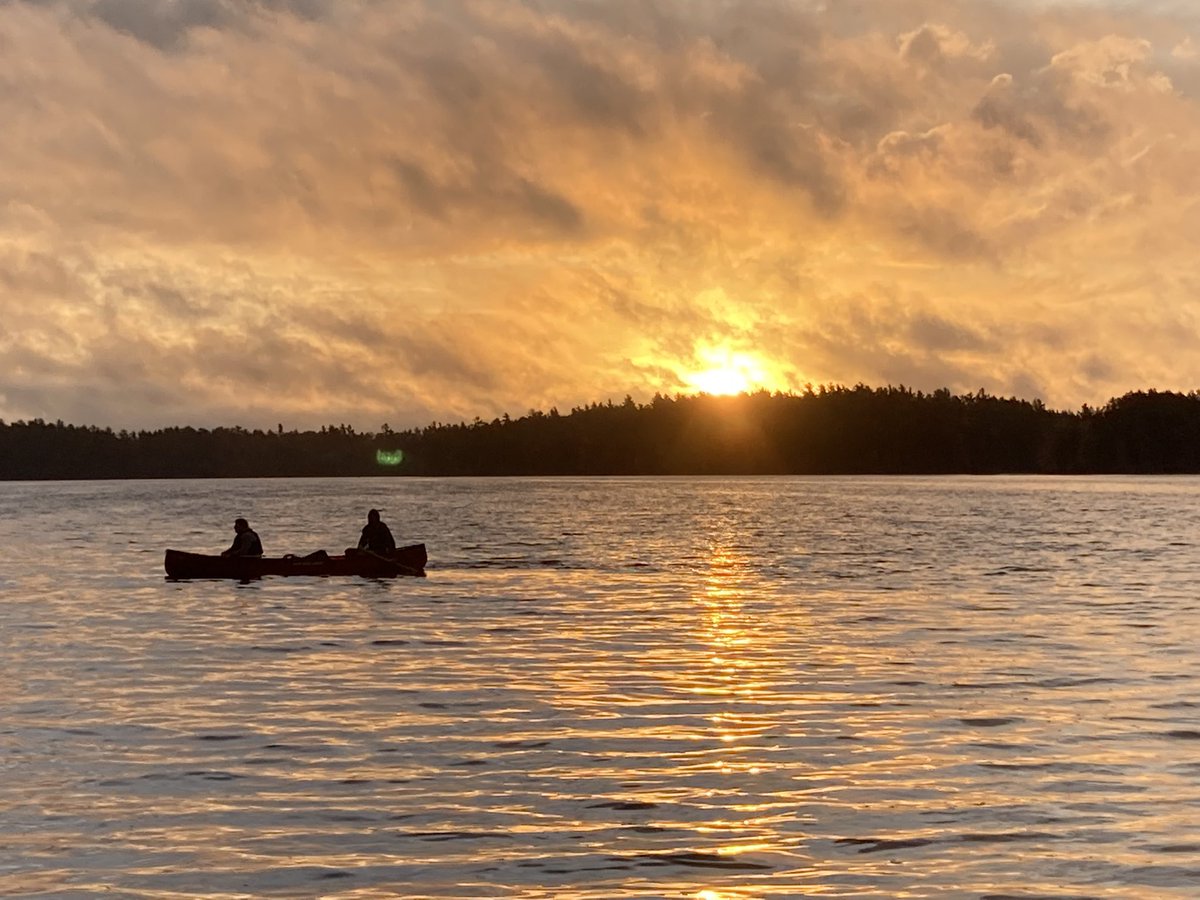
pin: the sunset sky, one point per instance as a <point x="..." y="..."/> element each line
<point x="315" y="211"/>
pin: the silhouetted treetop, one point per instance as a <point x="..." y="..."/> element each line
<point x="829" y="429"/>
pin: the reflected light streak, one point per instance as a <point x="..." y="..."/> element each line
<point x="735" y="680"/>
<point x="709" y="894"/>
<point x="725" y="632"/>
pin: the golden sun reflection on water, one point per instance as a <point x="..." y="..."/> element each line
<point x="737" y="671"/>
<point x="721" y="895"/>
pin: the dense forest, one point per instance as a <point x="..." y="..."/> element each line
<point x="830" y="430"/>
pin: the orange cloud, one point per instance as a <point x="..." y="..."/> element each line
<point x="405" y="212"/>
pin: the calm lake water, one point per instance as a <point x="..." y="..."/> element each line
<point x="607" y="688"/>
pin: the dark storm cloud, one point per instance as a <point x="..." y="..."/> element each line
<point x="944" y="232"/>
<point x="796" y="160"/>
<point x="167" y="24"/>
<point x="501" y="196"/>
<point x="36" y="273"/>
<point x="1027" y="111"/>
<point x="937" y="334"/>
<point x="162" y="23"/>
<point x="591" y="94"/>
<point x="436" y="352"/>
<point x="177" y="303"/>
<point x="998" y="110"/>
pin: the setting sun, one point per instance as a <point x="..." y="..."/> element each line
<point x="729" y="373"/>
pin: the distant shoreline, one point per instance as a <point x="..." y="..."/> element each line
<point x="730" y="477"/>
<point x="829" y="431"/>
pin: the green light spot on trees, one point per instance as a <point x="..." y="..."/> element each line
<point x="389" y="457"/>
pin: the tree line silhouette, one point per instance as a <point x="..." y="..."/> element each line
<point x="829" y="430"/>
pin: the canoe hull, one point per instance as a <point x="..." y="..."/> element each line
<point x="404" y="561"/>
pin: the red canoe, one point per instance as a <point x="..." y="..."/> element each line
<point x="403" y="561"/>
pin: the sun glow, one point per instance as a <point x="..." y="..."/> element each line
<point x="729" y="372"/>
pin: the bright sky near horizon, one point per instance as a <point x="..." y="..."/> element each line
<point x="314" y="211"/>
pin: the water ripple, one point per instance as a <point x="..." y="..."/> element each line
<point x="611" y="688"/>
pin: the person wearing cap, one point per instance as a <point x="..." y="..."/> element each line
<point x="245" y="541"/>
<point x="376" y="536"/>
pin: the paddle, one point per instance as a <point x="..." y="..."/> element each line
<point x="400" y="568"/>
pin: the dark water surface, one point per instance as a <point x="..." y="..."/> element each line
<point x="607" y="688"/>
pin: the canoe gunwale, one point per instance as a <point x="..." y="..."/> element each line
<point x="181" y="565"/>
